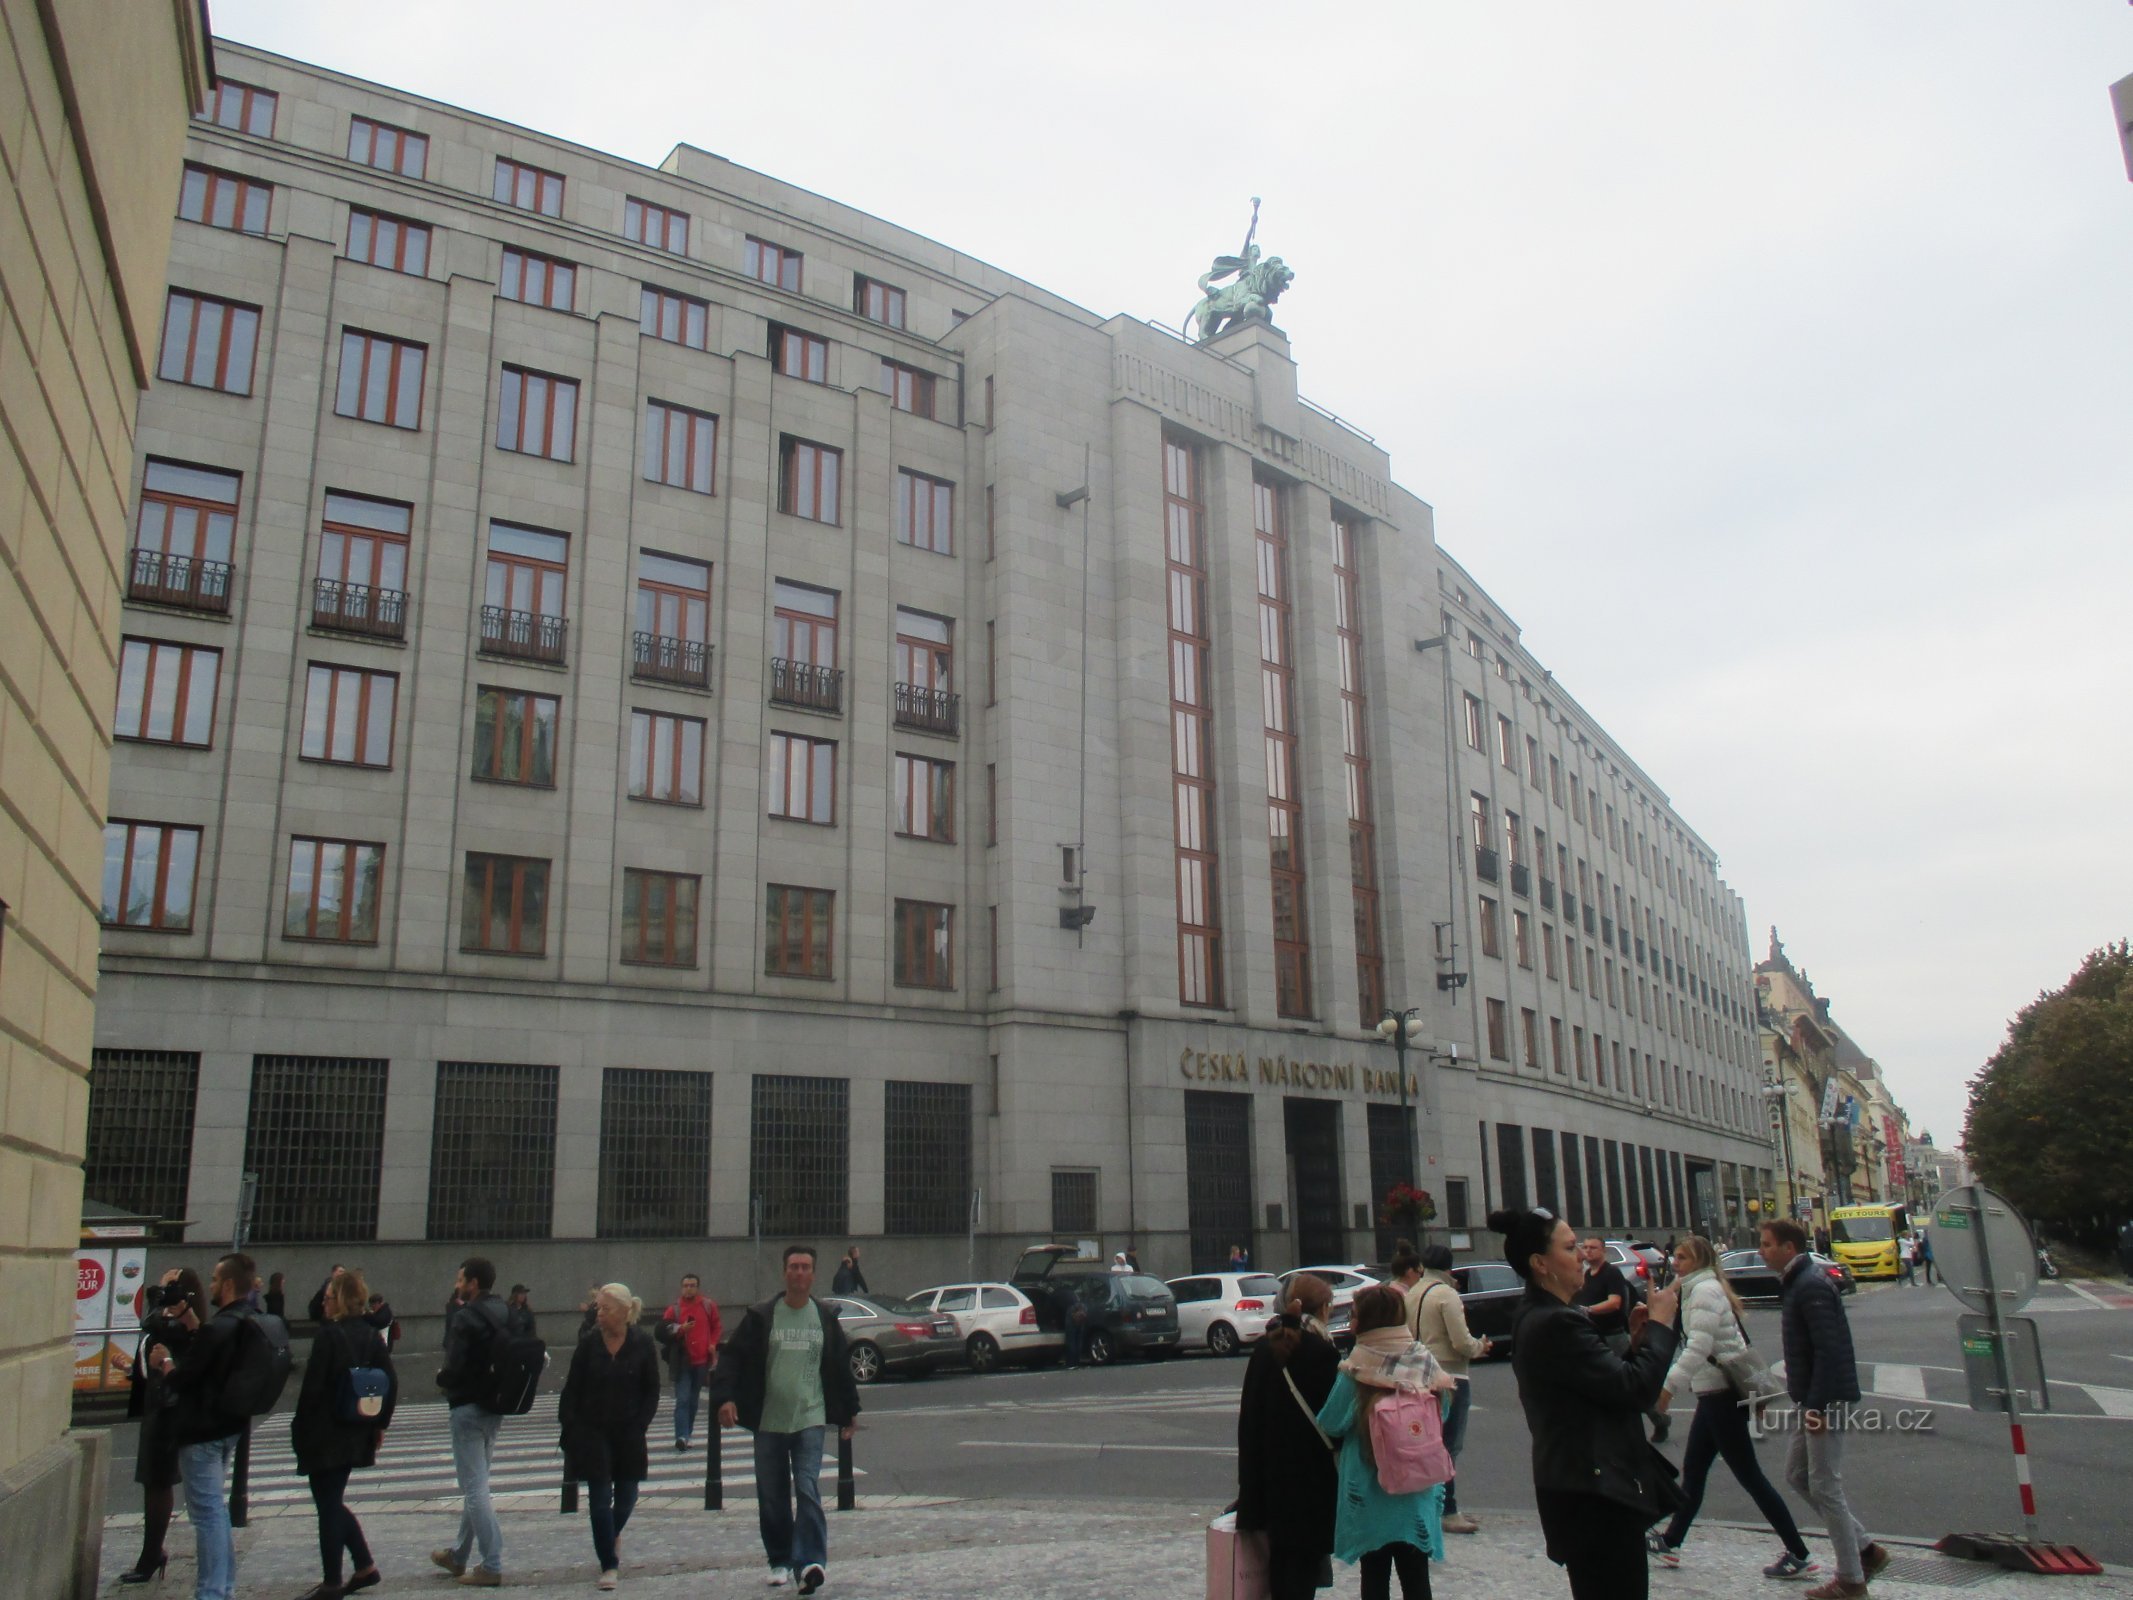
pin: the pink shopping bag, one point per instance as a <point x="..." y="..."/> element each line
<point x="1236" y="1562"/>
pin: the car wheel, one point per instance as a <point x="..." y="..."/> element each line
<point x="983" y="1352"/>
<point x="866" y="1362"/>
<point x="1222" y="1339"/>
<point x="1100" y="1351"/>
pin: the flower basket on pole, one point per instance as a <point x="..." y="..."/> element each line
<point x="1407" y="1208"/>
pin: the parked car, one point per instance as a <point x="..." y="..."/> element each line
<point x="996" y="1321"/>
<point x="1225" y="1311"/>
<point x="888" y="1335"/>
<point x="1122" y="1311"/>
<point x="1344" y="1281"/>
<point x="1839" y="1273"/>
<point x="1634" y="1266"/>
<point x="1658" y="1270"/>
<point x="1753" y="1280"/>
<point x="1490" y="1291"/>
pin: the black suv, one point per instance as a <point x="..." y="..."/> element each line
<point x="1122" y="1311"/>
<point x="1490" y="1291"/>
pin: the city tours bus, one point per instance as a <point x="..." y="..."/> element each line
<point x="1865" y="1238"/>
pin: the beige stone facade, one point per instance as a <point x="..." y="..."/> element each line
<point x="1039" y="1062"/>
<point x="92" y="120"/>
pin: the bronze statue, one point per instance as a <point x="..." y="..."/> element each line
<point x="1256" y="284"/>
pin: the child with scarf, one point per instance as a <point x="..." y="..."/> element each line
<point x="1382" y="1530"/>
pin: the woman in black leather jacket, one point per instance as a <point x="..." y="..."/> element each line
<point x="1598" y="1481"/>
<point x="155" y="1461"/>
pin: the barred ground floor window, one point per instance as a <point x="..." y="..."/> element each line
<point x="655" y="1154"/>
<point x="799" y="1143"/>
<point x="315" y="1134"/>
<point x="492" y="1151"/>
<point x="926" y="1157"/>
<point x="140" y="1142"/>
<point x="1218" y="1175"/>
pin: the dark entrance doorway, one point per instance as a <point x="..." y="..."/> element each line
<point x="1704" y="1216"/>
<point x="1313" y="1129"/>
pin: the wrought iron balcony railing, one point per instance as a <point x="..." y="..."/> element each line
<point x="928" y="710"/>
<point x="359" y="608"/>
<point x="528" y="635"/>
<point x="175" y="580"/>
<point x="659" y="659"/>
<point x="803" y="684"/>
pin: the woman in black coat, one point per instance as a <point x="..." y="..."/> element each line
<point x="1287" y="1479"/>
<point x="330" y="1442"/>
<point x="155" y="1460"/>
<point x="607" y="1406"/>
<point x="1598" y="1481"/>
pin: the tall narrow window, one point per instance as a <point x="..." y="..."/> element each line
<point x="925" y="945"/>
<point x="908" y="388"/>
<point x="798" y="931"/>
<point x="807" y="480"/>
<point x="166" y="693"/>
<point x="925" y="672"/>
<point x="523" y="610"/>
<point x="182" y="537"/>
<point x="514" y="736"/>
<point x="224" y="199"/>
<point x="666" y="758"/>
<point x="390" y="242"/>
<point x="803" y="648"/>
<point x="772" y="264"/>
<point x="148" y="875"/>
<point x="538" y="280"/>
<point x="673" y="616"/>
<point x="537" y="414"/>
<point x="242" y="107"/>
<point x="661" y="227"/>
<point x="659" y="918"/>
<point x="1284" y="795"/>
<point x="362" y="566"/>
<point x="348" y="716"/>
<point x="1355" y="753"/>
<point x="209" y="343"/>
<point x="1499" y="1031"/>
<point x="680" y="446"/>
<point x="798" y="354"/>
<point x="333" y="891"/>
<point x="925" y="798"/>
<point x="1191" y="725"/>
<point x="505" y="908"/>
<point x="528" y="188"/>
<point x="878" y="301"/>
<point x="925" y="512"/>
<point x="1473" y="722"/>
<point x="676" y="318"/>
<point x="389" y="149"/>
<point x="380" y="380"/>
<point x="803" y="778"/>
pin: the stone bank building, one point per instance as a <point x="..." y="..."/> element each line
<point x="662" y="714"/>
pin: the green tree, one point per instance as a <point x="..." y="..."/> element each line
<point x="2050" y="1123"/>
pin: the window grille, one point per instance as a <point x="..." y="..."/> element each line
<point x="1391" y="1161"/>
<point x="1073" y="1204"/>
<point x="799" y="1166"/>
<point x="315" y="1134"/>
<point x="492" y="1151"/>
<point x="926" y="1157"/>
<point x="140" y="1144"/>
<point x="1218" y="1175"/>
<point x="655" y="1154"/>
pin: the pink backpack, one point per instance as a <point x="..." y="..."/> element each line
<point x="1407" y="1438"/>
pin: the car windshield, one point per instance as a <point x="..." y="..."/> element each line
<point x="1862" y="1230"/>
<point x="1262" y="1286"/>
<point x="1138" y="1286"/>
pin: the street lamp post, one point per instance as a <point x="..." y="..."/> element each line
<point x="1779" y="1095"/>
<point x="1401" y="1029"/>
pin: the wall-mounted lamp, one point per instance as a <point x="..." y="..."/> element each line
<point x="1068" y="498"/>
<point x="1429" y="644"/>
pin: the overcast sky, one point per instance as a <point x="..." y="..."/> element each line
<point x="1772" y="365"/>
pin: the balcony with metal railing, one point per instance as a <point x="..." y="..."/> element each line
<point x="805" y="685"/>
<point x="1570" y="906"/>
<point x="358" y="608"/>
<point x="1521" y="878"/>
<point x="524" y="635"/>
<point x="928" y="710"/>
<point x="1547" y="894"/>
<point x="1591" y="921"/>
<point x="186" y="582"/>
<point x="657" y="658"/>
<point x="1485" y="864"/>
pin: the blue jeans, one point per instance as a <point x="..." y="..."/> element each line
<point x="473" y="1442"/>
<point x="688" y="1389"/>
<point x="204" y="1469"/>
<point x="788" y="1469"/>
<point x="611" y="1500"/>
<point x="1456" y="1405"/>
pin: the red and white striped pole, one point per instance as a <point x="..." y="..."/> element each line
<point x="2029" y="1495"/>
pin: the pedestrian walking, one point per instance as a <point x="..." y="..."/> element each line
<point x="690" y="1330"/>
<point x="204" y="1425"/>
<point x="1713" y="1332"/>
<point x="471" y="1342"/>
<point x="1925" y="1253"/>
<point x="316" y="1309"/>
<point x="1608" y="1298"/>
<point x="275" y="1301"/>
<point x="518" y="1312"/>
<point x="1287" y="1479"/>
<point x="155" y="1458"/>
<point x="342" y="1411"/>
<point x="609" y="1399"/>
<point x="850" y="1278"/>
<point x="1073" y="1322"/>
<point x="1373" y="1527"/>
<point x="785" y="1377"/>
<point x="1822" y="1377"/>
<point x="1437" y="1316"/>
<point x="1597" y="1481"/>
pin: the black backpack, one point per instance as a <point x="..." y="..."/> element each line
<point x="259" y="1368"/>
<point x="512" y="1374"/>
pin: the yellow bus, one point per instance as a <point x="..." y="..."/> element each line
<point x="1864" y="1238"/>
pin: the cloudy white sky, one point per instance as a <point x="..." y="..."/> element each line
<point x="1773" y="365"/>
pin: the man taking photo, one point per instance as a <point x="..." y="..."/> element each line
<point x="207" y="1432"/>
<point x="690" y="1330"/>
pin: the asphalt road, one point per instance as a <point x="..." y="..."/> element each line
<point x="1165" y="1431"/>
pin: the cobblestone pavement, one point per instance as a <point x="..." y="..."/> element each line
<point x="948" y="1550"/>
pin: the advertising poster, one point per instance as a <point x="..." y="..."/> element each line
<point x="92" y="1293"/>
<point x="88" y="1361"/>
<point x="129" y="1284"/>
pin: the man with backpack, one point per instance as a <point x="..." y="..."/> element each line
<point x="230" y="1373"/>
<point x="473" y="1340"/>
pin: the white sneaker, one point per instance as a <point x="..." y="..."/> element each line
<point x="609" y="1578"/>
<point x="779" y="1577"/>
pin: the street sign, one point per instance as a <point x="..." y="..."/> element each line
<point x="1981" y="1363"/>
<point x="1970" y="1223"/>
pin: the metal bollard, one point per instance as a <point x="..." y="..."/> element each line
<point x="714" y="1466"/>
<point x="847" y="1488"/>
<point x="241" y="1481"/>
<point x="570" y="1498"/>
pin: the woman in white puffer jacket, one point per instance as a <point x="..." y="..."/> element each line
<point x="1711" y="1330"/>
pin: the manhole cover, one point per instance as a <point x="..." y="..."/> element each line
<point x="1937" y="1569"/>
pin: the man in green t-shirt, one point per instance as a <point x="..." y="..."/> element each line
<point x="786" y="1376"/>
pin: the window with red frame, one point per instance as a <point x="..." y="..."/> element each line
<point x="348" y="716"/>
<point x="908" y="388"/>
<point x="183" y="535"/>
<point x="505" y="909"/>
<point x="807" y="480"/>
<point x="209" y="343"/>
<point x="537" y="414"/>
<point x="676" y="318"/>
<point x="661" y="227"/>
<point x="799" y="355"/>
<point x="537" y="280"/>
<point x="680" y="446"/>
<point x="380" y="379"/>
<point x="149" y="869"/>
<point x="393" y="243"/>
<point x="803" y="778"/>
<point x="799" y="929"/>
<point x="878" y="301"/>
<point x="772" y="264"/>
<point x="334" y="886"/>
<point x="925" y="945"/>
<point x="242" y="107"/>
<point x="528" y="188"/>
<point x="224" y="199"/>
<point x="659" y="918"/>
<point x="166" y="693"/>
<point x="925" y="798"/>
<point x="673" y="614"/>
<point x="925" y="650"/>
<point x="363" y="545"/>
<point x="666" y="758"/>
<point x="515" y="737"/>
<point x="389" y="149"/>
<point x="925" y="512"/>
<point x="803" y="624"/>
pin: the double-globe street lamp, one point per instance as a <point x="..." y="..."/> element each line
<point x="1402" y="1029"/>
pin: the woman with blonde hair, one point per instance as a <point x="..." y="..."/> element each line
<point x="1712" y="1332"/>
<point x="608" y="1402"/>
<point x="1286" y="1482"/>
<point x="342" y="1411"/>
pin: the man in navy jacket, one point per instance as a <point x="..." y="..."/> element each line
<point x="1822" y="1377"/>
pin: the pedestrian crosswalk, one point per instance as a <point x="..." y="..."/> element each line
<point x="1947" y="1386"/>
<point x="415" y="1460"/>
